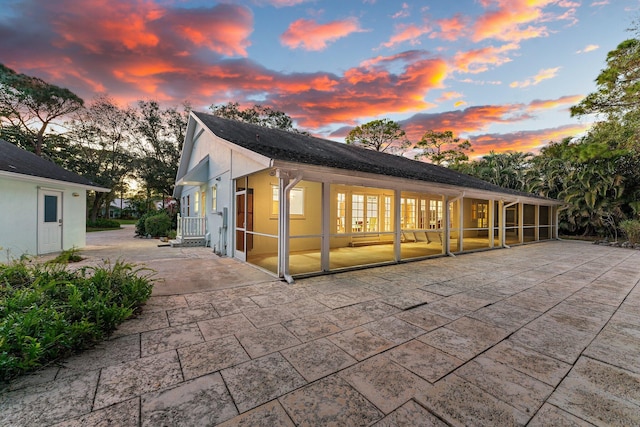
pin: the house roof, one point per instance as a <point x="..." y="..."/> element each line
<point x="294" y="147"/>
<point x="14" y="159"/>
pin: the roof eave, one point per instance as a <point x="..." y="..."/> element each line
<point x="49" y="181"/>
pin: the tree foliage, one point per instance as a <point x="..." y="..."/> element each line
<point x="29" y="105"/>
<point x="102" y="146"/>
<point x="258" y="115"/>
<point x="443" y="148"/>
<point x="160" y="136"/>
<point x="384" y="135"/>
<point x="618" y="84"/>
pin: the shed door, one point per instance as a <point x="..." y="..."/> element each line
<point x="49" y="221"/>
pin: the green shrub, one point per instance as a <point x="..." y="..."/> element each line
<point x="158" y="225"/>
<point x="631" y="228"/>
<point x="103" y="223"/>
<point x="140" y="224"/>
<point x="172" y="234"/>
<point x="48" y="312"/>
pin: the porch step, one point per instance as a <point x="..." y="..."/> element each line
<point x="188" y="242"/>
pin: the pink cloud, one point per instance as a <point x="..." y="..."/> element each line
<point x="407" y="33"/>
<point x="542" y="75"/>
<point x="478" y="60"/>
<point x="453" y="28"/>
<point x="309" y="35"/>
<point x="524" y="141"/>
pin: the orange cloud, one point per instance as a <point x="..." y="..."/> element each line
<point x="516" y="20"/>
<point x="107" y="27"/>
<point x="452" y="28"/>
<point x="588" y="48"/>
<point x="478" y="60"/>
<point x="545" y="74"/>
<point x="225" y="29"/>
<point x="449" y="95"/>
<point x="471" y="119"/>
<point x="524" y="141"/>
<point x="309" y="35"/>
<point x="549" y="104"/>
<point x="407" y="33"/>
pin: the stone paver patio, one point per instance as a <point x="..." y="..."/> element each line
<point x="539" y="335"/>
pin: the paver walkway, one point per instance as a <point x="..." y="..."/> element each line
<point x="538" y="335"/>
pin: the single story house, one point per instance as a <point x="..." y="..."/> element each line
<point x="296" y="205"/>
<point x="42" y="206"/>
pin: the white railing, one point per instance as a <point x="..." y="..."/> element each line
<point x="191" y="226"/>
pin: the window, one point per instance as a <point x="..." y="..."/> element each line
<point x="203" y="196"/>
<point x="214" y="198"/>
<point x="372" y="213"/>
<point x="387" y="213"/>
<point x="408" y="213"/>
<point x="296" y="201"/>
<point x="357" y="213"/>
<point x="188" y="204"/>
<point x="341" y="212"/>
<point x="50" y="208"/>
<point x="424" y="214"/>
<point x="196" y="203"/>
<point x="435" y="214"/>
<point x="183" y="206"/>
<point x="479" y="212"/>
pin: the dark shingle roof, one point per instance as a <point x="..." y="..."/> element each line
<point x="289" y="146"/>
<point x="15" y="159"/>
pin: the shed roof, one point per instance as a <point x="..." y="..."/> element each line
<point x="281" y="145"/>
<point x="14" y="159"/>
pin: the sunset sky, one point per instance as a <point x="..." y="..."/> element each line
<point x="502" y="73"/>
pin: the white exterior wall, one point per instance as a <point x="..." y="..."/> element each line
<point x="225" y="165"/>
<point x="19" y="217"/>
<point x="74" y="217"/>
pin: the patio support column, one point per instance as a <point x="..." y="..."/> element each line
<point x="397" y="249"/>
<point x="460" y="199"/>
<point x="326" y="227"/>
<point x="501" y="224"/>
<point x="521" y="222"/>
<point x="447" y="226"/>
<point x="461" y="223"/>
<point x="490" y="221"/>
<point x="537" y="222"/>
<point x="284" y="190"/>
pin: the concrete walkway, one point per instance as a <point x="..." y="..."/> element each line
<point x="538" y="335"/>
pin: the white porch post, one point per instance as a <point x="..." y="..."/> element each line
<point x="537" y="222"/>
<point x="490" y="221"/>
<point x="326" y="227"/>
<point x="447" y="226"/>
<point x="283" y="226"/>
<point x="284" y="190"/>
<point x="521" y="222"/>
<point x="501" y="223"/>
<point x="397" y="249"/>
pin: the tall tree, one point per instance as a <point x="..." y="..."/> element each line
<point x="102" y="147"/>
<point x="618" y="85"/>
<point x="443" y="148"/>
<point x="384" y="135"/>
<point x="160" y="138"/>
<point x="29" y="105"/>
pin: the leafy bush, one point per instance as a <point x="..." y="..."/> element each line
<point x="140" y="225"/>
<point x="172" y="234"/>
<point x="158" y="225"/>
<point x="48" y="312"/>
<point x="631" y="229"/>
<point x="103" y="223"/>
